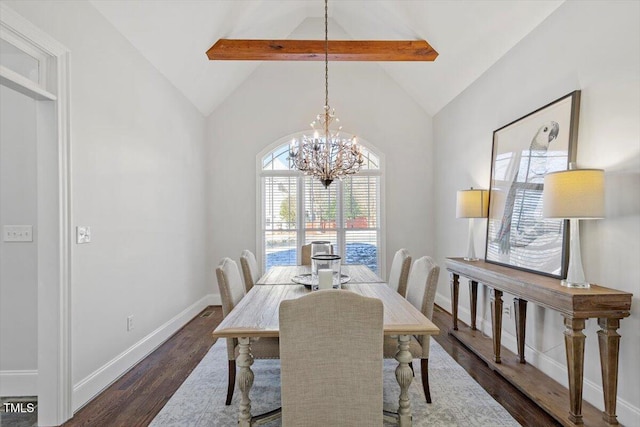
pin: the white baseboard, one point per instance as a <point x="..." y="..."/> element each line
<point x="19" y="383"/>
<point x="88" y="388"/>
<point x="214" y="299"/>
<point x="628" y="414"/>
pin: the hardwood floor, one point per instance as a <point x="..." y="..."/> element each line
<point x="137" y="397"/>
<point x="523" y="409"/>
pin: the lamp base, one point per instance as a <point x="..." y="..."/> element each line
<point x="471" y="259"/>
<point x="579" y="285"/>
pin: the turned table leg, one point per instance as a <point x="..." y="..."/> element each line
<point x="574" y="346"/>
<point x="609" y="343"/>
<point x="473" y="293"/>
<point x="496" y="322"/>
<point x="454" y="299"/>
<point x="404" y="376"/>
<point x="520" y="310"/>
<point x="245" y="381"/>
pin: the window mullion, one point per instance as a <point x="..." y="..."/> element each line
<point x="340" y="237"/>
<point x="300" y="218"/>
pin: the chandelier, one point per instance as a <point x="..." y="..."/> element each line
<point x="326" y="156"/>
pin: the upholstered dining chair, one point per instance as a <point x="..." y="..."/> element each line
<point x="399" y="273"/>
<point x="231" y="292"/>
<point x="421" y="293"/>
<point x="331" y="360"/>
<point x="305" y="255"/>
<point x="250" y="270"/>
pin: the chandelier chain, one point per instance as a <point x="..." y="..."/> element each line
<point x="326" y="156"/>
<point x="326" y="80"/>
<point x="326" y="65"/>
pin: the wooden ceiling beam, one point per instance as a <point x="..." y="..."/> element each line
<point x="313" y="50"/>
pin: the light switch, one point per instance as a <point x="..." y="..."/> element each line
<point x="83" y="234"/>
<point x="17" y="233"/>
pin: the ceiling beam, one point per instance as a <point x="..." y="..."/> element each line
<point x="313" y="50"/>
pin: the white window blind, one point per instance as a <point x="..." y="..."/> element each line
<point x="279" y="214"/>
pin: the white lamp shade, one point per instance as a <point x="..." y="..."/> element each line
<point x="472" y="203"/>
<point x="574" y="194"/>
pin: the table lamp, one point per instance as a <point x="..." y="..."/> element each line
<point x="574" y="194"/>
<point x="472" y="204"/>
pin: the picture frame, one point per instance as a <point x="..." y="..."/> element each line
<point x="523" y="151"/>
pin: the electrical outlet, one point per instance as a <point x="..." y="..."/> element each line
<point x="130" y="323"/>
<point x="506" y="311"/>
<point x="83" y="234"/>
<point x="17" y="233"/>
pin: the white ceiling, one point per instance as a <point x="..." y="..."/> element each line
<point x="469" y="35"/>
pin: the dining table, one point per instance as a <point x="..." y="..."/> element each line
<point x="285" y="274"/>
<point x="256" y="315"/>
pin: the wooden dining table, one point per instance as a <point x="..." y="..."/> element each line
<point x="256" y="315"/>
<point x="283" y="274"/>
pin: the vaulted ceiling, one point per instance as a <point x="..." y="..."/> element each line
<point x="469" y="35"/>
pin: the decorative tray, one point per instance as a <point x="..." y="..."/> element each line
<point x="305" y="279"/>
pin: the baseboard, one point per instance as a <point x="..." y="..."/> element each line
<point x="628" y="414"/>
<point x="214" y="299"/>
<point x="88" y="388"/>
<point x="19" y="383"/>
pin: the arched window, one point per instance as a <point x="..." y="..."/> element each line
<point x="296" y="210"/>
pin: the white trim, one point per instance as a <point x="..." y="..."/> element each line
<point x="23" y="85"/>
<point x="214" y="299"/>
<point x="382" y="218"/>
<point x="89" y="387"/>
<point x="30" y="33"/>
<point x="626" y="412"/>
<point x="281" y="173"/>
<point x="19" y="383"/>
<point x="592" y="391"/>
<point x="54" y="274"/>
<point x="30" y="50"/>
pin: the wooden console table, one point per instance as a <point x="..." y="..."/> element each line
<point x="575" y="305"/>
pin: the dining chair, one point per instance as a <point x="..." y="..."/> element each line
<point x="399" y="273"/>
<point x="250" y="270"/>
<point x="305" y="255"/>
<point x="421" y="293"/>
<point x="331" y="360"/>
<point x="231" y="292"/>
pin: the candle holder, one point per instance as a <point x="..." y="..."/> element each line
<point x="320" y="247"/>
<point x="323" y="268"/>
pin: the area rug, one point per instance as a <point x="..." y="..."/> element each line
<point x="457" y="399"/>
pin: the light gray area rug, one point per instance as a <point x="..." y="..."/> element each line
<point x="457" y="399"/>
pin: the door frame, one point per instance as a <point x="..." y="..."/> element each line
<point x="54" y="213"/>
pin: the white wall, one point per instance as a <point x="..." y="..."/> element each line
<point x="138" y="179"/>
<point x="279" y="99"/>
<point x="18" y="261"/>
<point x="593" y="46"/>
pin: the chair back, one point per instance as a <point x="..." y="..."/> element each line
<point x="399" y="273"/>
<point x="231" y="292"/>
<point x="250" y="270"/>
<point x="422" y="285"/>
<point x="331" y="360"/>
<point x="230" y="284"/>
<point x="421" y="292"/>
<point x="305" y="254"/>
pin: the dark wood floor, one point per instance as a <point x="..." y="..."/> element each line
<point x="523" y="409"/>
<point x="136" y="398"/>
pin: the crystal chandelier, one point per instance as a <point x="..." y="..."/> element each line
<point x="327" y="156"/>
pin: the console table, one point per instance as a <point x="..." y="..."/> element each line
<point x="609" y="306"/>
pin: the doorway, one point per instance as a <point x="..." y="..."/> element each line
<point x="18" y="258"/>
<point x="35" y="92"/>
